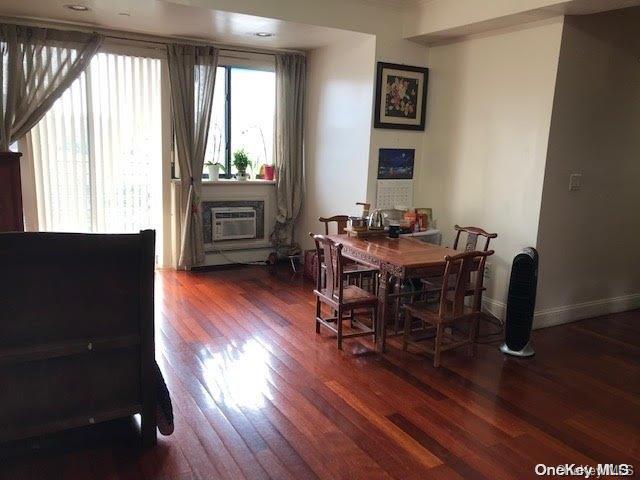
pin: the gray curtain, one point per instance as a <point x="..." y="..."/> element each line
<point x="290" y="89"/>
<point x="38" y="65"/>
<point x="192" y="74"/>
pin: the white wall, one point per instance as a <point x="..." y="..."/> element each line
<point x="391" y="49"/>
<point x="337" y="130"/>
<point x="588" y="239"/>
<point x="488" y="115"/>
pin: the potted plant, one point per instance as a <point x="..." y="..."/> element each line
<point x="241" y="162"/>
<point x="213" y="169"/>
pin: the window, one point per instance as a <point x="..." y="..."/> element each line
<point x="242" y="118"/>
<point x="98" y="151"/>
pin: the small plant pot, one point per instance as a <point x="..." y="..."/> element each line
<point x="214" y="172"/>
<point x="269" y="171"/>
<point x="242" y="177"/>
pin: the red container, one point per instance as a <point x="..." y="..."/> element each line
<point x="269" y="171"/>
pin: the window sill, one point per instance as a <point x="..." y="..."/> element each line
<point x="231" y="182"/>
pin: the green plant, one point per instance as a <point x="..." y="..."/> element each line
<point x="241" y="161"/>
<point x="211" y="164"/>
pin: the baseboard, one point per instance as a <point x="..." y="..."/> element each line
<point x="494" y="307"/>
<point x="229" y="257"/>
<point x="569" y="313"/>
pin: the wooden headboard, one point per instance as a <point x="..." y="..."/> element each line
<point x="76" y="331"/>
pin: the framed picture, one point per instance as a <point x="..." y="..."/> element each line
<point x="396" y="163"/>
<point x="401" y="96"/>
<point x="428" y="213"/>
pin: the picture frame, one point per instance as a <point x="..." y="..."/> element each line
<point x="396" y="163"/>
<point x="401" y="96"/>
<point x="428" y="213"/>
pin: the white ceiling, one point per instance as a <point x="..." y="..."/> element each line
<point x="170" y="19"/>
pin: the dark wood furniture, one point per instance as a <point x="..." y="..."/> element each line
<point x="434" y="284"/>
<point x="471" y="241"/>
<point x="77" y="331"/>
<point x="340" y="298"/>
<point x="399" y="258"/>
<point x="452" y="309"/>
<point x="354" y="272"/>
<point x="339" y="220"/>
<point x="11" y="216"/>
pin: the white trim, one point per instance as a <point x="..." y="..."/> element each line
<point x="229" y="182"/>
<point x="494" y="307"/>
<point x="229" y="257"/>
<point x="146" y="39"/>
<point x="549" y="317"/>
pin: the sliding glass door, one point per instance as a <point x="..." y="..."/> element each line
<point x="98" y="152"/>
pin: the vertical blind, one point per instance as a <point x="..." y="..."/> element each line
<point x="98" y="152"/>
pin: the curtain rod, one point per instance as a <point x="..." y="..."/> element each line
<point x="144" y="37"/>
<point x="222" y="48"/>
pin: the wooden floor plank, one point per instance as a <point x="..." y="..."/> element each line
<point x="258" y="394"/>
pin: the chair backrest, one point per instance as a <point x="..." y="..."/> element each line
<point x="339" y="220"/>
<point x="331" y="253"/>
<point x="458" y="271"/>
<point x="473" y="233"/>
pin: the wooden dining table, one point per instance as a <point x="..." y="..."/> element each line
<point x="397" y="259"/>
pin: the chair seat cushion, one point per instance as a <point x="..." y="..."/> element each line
<point x="352" y="295"/>
<point x="429" y="312"/>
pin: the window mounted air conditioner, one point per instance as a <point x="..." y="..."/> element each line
<point x="233" y="223"/>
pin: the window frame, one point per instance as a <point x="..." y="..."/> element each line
<point x="262" y="62"/>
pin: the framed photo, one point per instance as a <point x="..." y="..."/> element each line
<point x="401" y="96"/>
<point x="428" y="213"/>
<point x="396" y="163"/>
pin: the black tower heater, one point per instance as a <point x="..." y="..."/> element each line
<point x="521" y="303"/>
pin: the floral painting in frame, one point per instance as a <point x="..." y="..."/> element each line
<point x="401" y="96"/>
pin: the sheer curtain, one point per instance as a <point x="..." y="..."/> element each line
<point x="192" y="73"/>
<point x="38" y="65"/>
<point x="97" y="152"/>
<point x="290" y="88"/>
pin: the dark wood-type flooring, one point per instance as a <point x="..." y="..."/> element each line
<point x="257" y="394"/>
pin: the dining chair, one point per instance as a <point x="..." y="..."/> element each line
<point x="451" y="308"/>
<point x="354" y="272"/>
<point x="340" y="221"/>
<point x="340" y="298"/>
<point x="434" y="284"/>
<point x="471" y="241"/>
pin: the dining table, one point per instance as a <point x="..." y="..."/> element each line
<point x="396" y="259"/>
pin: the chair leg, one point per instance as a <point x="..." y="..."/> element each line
<point x="318" y="312"/>
<point x="396" y="320"/>
<point x="339" y="325"/>
<point x="473" y="336"/>
<point x="438" y="346"/>
<point x="407" y="331"/>
<point x="374" y="321"/>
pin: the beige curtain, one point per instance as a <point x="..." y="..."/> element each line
<point x="290" y="88"/>
<point x="38" y="65"/>
<point x="192" y="74"/>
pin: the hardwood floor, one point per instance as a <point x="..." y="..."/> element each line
<point x="257" y="394"/>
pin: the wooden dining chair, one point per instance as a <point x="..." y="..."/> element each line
<point x="471" y="241"/>
<point x="340" y="221"/>
<point x="451" y="309"/>
<point x="340" y="298"/>
<point x="354" y="272"/>
<point x="434" y="284"/>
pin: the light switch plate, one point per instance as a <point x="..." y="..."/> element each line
<point x="575" y="182"/>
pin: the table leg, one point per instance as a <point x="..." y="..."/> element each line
<point x="383" y="300"/>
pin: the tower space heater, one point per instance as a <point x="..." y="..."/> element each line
<point x="521" y="302"/>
